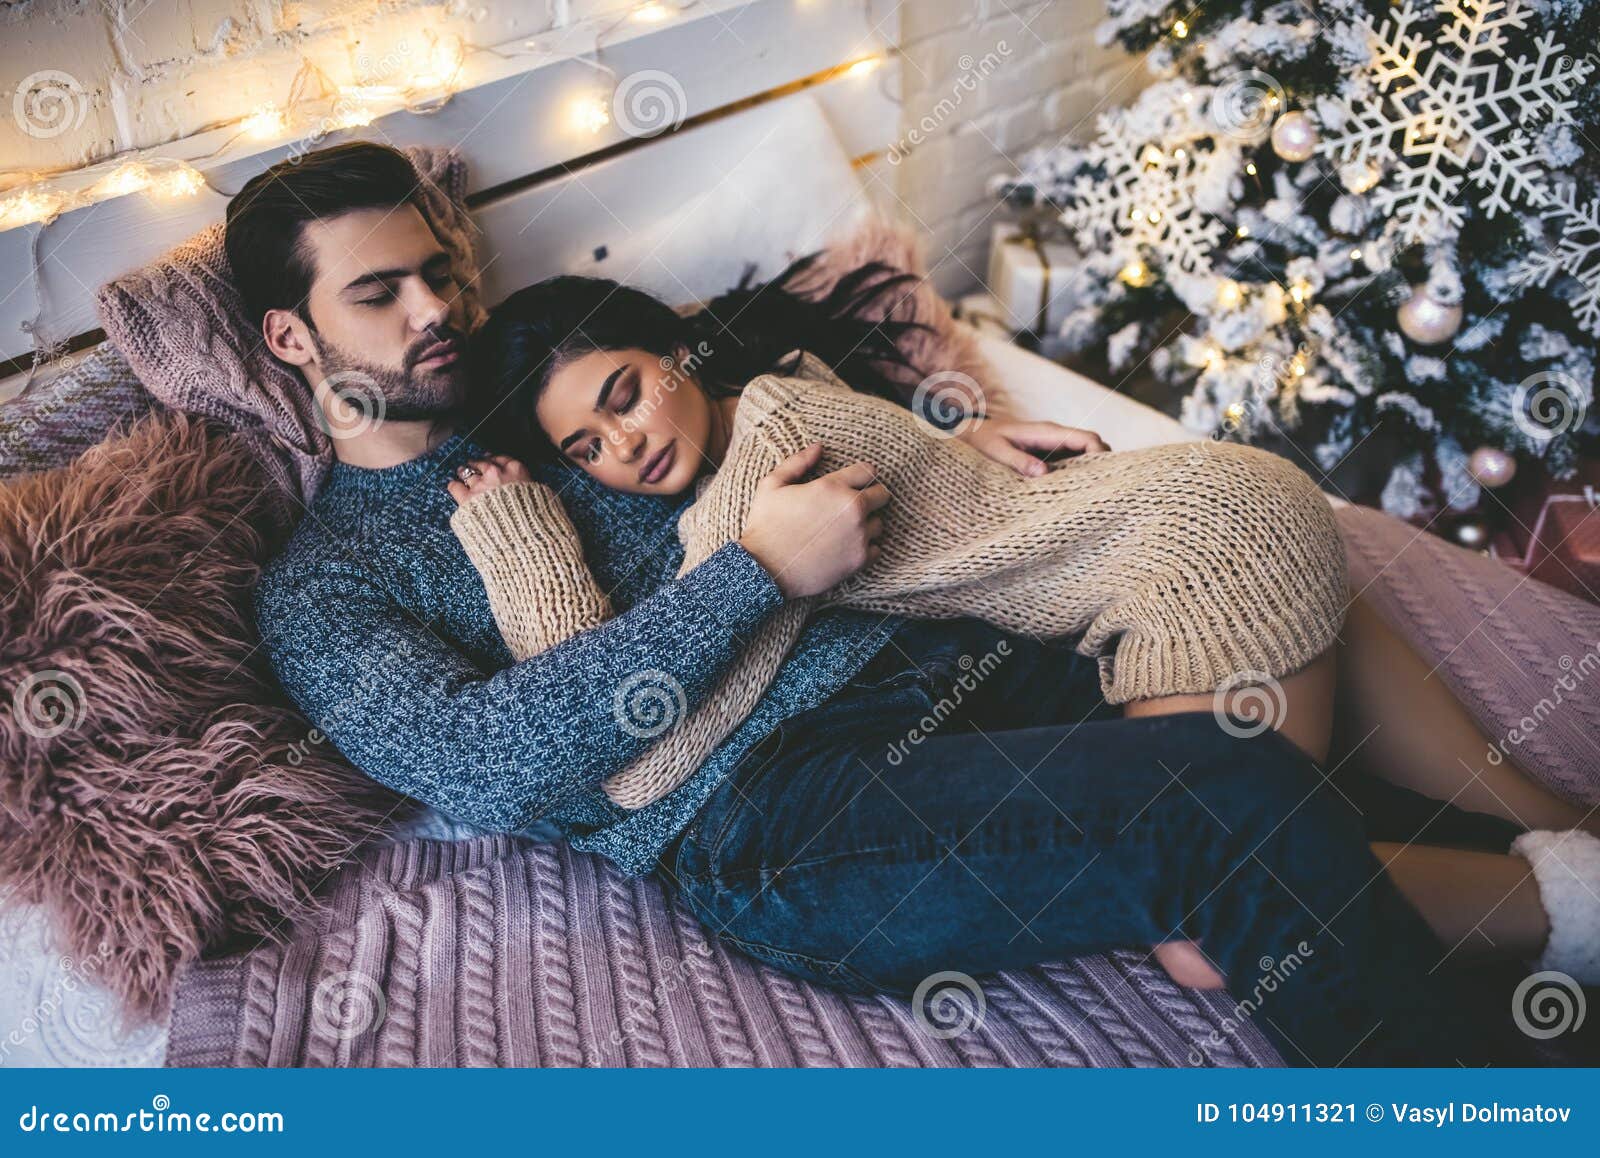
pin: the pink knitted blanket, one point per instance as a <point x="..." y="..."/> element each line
<point x="497" y="952"/>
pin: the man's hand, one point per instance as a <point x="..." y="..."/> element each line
<point x="811" y="535"/>
<point x="1008" y="441"/>
<point x="480" y="475"/>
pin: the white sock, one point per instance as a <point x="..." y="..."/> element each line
<point x="1567" y="867"/>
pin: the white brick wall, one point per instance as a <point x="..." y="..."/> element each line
<point x="984" y="81"/>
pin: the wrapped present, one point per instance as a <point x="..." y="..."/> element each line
<point x="1553" y="534"/>
<point x="1037" y="280"/>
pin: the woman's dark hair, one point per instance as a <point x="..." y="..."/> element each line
<point x="732" y="339"/>
<point x="266" y="219"/>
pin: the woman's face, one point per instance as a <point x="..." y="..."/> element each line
<point x="632" y="419"/>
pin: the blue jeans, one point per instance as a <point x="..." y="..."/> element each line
<point x="968" y="802"/>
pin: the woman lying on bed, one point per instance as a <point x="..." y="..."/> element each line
<point x="945" y="811"/>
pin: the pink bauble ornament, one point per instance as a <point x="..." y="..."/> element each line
<point x="1491" y="467"/>
<point x="1294" y="137"/>
<point x="1424" y="320"/>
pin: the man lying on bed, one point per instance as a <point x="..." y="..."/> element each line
<point x="380" y="628"/>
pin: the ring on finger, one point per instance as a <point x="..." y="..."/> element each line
<point x="467" y="472"/>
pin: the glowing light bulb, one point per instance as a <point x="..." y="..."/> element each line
<point x="27" y="207"/>
<point x="1180" y="154"/>
<point x="266" y="122"/>
<point x="1300" y="291"/>
<point x="1297" y="367"/>
<point x="1188" y="98"/>
<point x="124" y="179"/>
<point x="179" y="181"/>
<point x="1234" y="413"/>
<point x="1242" y="231"/>
<point x="1134" y="273"/>
<point x="1152" y="156"/>
<point x="1229" y="295"/>
<point x="651" y="13"/>
<point x="590" y="114"/>
<point x="1180" y="29"/>
<point x="1154" y="216"/>
<point x="1251" y="168"/>
<point x="1355" y="255"/>
<point x="863" y="67"/>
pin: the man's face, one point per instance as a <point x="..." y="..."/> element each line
<point x="387" y="320"/>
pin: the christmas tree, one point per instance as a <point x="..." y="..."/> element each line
<point x="1327" y="221"/>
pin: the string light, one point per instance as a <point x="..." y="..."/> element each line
<point x="1135" y="273"/>
<point x="1355" y="255"/>
<point x="1180" y="29"/>
<point x="1229" y="294"/>
<point x="180" y="180"/>
<point x="1250" y="168"/>
<point x="27" y="207"/>
<point x="651" y="13"/>
<point x="129" y="177"/>
<point x="1242" y="231"/>
<point x="864" y="66"/>
<point x="266" y="122"/>
<point x="590" y="114"/>
<point x="1234" y="413"/>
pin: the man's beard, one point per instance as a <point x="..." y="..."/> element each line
<point x="402" y="395"/>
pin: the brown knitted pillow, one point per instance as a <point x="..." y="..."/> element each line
<point x="157" y="795"/>
<point x="182" y="326"/>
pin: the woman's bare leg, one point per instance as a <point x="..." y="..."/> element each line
<point x="1397" y="720"/>
<point x="1480" y="904"/>
<point x="1300" y="706"/>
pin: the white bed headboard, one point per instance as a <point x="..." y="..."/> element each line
<point x="760" y="168"/>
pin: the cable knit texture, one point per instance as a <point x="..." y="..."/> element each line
<point x="1184" y="567"/>
<point x="497" y="951"/>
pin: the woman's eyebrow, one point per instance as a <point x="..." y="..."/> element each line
<point x="599" y="404"/>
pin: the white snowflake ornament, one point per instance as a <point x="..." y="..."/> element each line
<point x="1161" y="168"/>
<point x="1576" y="254"/>
<point x="1458" y="110"/>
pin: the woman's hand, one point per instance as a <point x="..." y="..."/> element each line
<point x="1009" y="441"/>
<point x="481" y="475"/>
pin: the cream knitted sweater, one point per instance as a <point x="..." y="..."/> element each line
<point x="1182" y="567"/>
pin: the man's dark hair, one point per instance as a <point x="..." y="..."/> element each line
<point x="264" y="234"/>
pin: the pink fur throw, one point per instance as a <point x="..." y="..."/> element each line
<point x="182" y="326"/>
<point x="950" y="345"/>
<point x="157" y="794"/>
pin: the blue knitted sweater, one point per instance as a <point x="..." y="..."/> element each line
<point x="380" y="629"/>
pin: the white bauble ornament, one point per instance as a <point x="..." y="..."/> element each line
<point x="1473" y="534"/>
<point x="1294" y="137"/>
<point x="1491" y="467"/>
<point x="1429" y="322"/>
